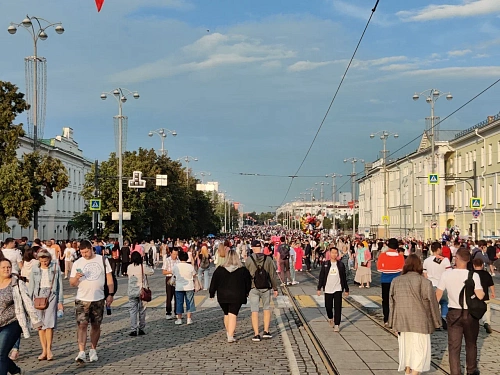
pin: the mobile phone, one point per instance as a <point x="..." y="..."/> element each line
<point x="79" y="270"/>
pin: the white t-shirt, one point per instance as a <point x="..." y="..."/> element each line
<point x="183" y="273"/>
<point x="453" y="282"/>
<point x="15" y="257"/>
<point x="292" y="254"/>
<point x="69" y="252"/>
<point x="435" y="267"/>
<point x="333" y="280"/>
<point x="91" y="287"/>
<point x="27" y="267"/>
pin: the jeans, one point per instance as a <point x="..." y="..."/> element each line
<point x="333" y="305"/>
<point x="188" y="295"/>
<point x="206" y="280"/>
<point x="443" y="302"/>
<point x="137" y="309"/>
<point x="386" y="287"/>
<point x="115" y="266"/>
<point x="462" y="324"/>
<point x="170" y="292"/>
<point x="292" y="269"/>
<point x="124" y="267"/>
<point x="284" y="270"/>
<point x="8" y="337"/>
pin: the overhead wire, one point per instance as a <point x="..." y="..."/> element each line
<point x="332" y="101"/>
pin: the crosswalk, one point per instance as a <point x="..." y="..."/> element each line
<point x="303" y="300"/>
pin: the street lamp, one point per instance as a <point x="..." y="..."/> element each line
<point x="384" y="135"/>
<point x="162" y="133"/>
<point x="353" y="191"/>
<point x="203" y="174"/>
<point x="188" y="159"/>
<point x="36" y="87"/>
<point x="432" y="96"/>
<point x="120" y="96"/>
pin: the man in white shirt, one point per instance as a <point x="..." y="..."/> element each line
<point x="13" y="254"/>
<point x="434" y="267"/>
<point x="89" y="273"/>
<point x="168" y="266"/>
<point x="460" y="323"/>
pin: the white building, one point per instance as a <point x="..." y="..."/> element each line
<point x="54" y="216"/>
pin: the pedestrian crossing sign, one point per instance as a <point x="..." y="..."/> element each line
<point x="95" y="205"/>
<point x="475" y="202"/>
<point x="433" y="179"/>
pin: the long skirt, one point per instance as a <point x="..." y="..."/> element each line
<point x="414" y="351"/>
<point x="363" y="275"/>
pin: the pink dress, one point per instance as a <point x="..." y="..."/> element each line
<point x="299" y="254"/>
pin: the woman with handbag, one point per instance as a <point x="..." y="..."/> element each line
<point x="137" y="288"/>
<point x="363" y="266"/>
<point x="15" y="306"/>
<point x="46" y="290"/>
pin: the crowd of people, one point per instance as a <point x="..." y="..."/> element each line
<point x="419" y="295"/>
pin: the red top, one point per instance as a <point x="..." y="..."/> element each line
<point x="446" y="251"/>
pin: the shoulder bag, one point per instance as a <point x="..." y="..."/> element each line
<point x="145" y="293"/>
<point x="41" y="303"/>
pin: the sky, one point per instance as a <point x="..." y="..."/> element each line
<point x="246" y="84"/>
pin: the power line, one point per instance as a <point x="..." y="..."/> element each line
<point x="332" y="101"/>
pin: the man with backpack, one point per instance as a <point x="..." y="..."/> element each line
<point x="460" y="283"/>
<point x="263" y="273"/>
<point x="284" y="251"/>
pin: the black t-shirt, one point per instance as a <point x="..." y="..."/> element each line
<point x="492" y="252"/>
<point x="486" y="282"/>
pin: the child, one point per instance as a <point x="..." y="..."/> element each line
<point x="486" y="283"/>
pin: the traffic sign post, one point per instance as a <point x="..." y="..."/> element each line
<point x="95" y="204"/>
<point x="476" y="214"/>
<point x="434" y="224"/>
<point x="433" y="179"/>
<point x="476" y="203"/>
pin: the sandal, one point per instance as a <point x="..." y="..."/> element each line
<point x="42" y="357"/>
<point x="14" y="354"/>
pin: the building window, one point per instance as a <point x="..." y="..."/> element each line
<point x="498" y="152"/>
<point x="490" y="152"/>
<point x="420" y="188"/>
<point x="474" y="156"/>
<point x="490" y="194"/>
<point x="483" y="157"/>
<point x="459" y="164"/>
<point x="420" y="166"/>
<point x="420" y="220"/>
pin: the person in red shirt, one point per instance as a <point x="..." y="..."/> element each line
<point x="445" y="250"/>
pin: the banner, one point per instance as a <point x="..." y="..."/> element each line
<point x="236" y="205"/>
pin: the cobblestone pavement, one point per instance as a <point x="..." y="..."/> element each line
<point x="369" y="300"/>
<point x="200" y="348"/>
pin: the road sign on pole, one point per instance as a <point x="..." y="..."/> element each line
<point x="433" y="179"/>
<point x="476" y="213"/>
<point x="137" y="182"/>
<point x="475" y="202"/>
<point x="95" y="205"/>
<point x="434" y="224"/>
<point x="161" y="180"/>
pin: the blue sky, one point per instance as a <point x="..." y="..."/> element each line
<point x="246" y="83"/>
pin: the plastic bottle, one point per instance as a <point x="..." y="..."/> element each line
<point x="60" y="314"/>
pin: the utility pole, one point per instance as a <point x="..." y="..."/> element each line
<point x="96" y="195"/>
<point x="474" y="176"/>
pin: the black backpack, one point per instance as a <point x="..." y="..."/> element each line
<point x="284" y="251"/>
<point x="115" y="280"/>
<point x="261" y="278"/>
<point x="476" y="307"/>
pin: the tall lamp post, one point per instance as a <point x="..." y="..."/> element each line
<point x="162" y="133"/>
<point x="120" y="95"/>
<point x="432" y="96"/>
<point x="36" y="81"/>
<point x="384" y="135"/>
<point x="188" y="159"/>
<point x="353" y="191"/>
<point x="334" y="194"/>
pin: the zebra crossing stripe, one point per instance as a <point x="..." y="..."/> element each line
<point x="365" y="302"/>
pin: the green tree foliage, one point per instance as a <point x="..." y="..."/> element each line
<point x="176" y="210"/>
<point x="24" y="183"/>
<point x="327" y="223"/>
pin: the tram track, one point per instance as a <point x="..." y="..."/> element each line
<point x="357" y="306"/>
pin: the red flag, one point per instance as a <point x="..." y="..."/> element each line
<point x="99" y="3"/>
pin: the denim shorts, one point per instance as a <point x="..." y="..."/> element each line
<point x="188" y="295"/>
<point x="257" y="295"/>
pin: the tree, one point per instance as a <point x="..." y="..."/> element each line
<point x="176" y="210"/>
<point x="327" y="223"/>
<point x="22" y="180"/>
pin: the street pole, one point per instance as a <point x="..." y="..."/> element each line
<point x="476" y="234"/>
<point x="353" y="193"/>
<point x="96" y="194"/>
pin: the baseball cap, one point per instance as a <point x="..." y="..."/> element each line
<point x="393" y="243"/>
<point x="256" y="243"/>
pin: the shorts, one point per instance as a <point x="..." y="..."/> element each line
<point x="180" y="296"/>
<point x="257" y="295"/>
<point x="230" y="308"/>
<point x="89" y="311"/>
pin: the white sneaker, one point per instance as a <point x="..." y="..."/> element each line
<point x="169" y="317"/>
<point x="178" y="322"/>
<point x="231" y="340"/>
<point x="189" y="321"/>
<point x="336" y="328"/>
<point x="93" y="355"/>
<point x="80" y="358"/>
<point x="295" y="282"/>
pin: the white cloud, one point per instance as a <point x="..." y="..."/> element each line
<point x="468" y="8"/>
<point x="362" y="13"/>
<point x="481" y="56"/>
<point x="301" y="66"/>
<point x="208" y="52"/>
<point x="462" y="52"/>
<point x="399" y="67"/>
<point x="458" y="72"/>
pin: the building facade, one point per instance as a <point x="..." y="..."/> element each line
<point x="395" y="198"/>
<point x="58" y="211"/>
